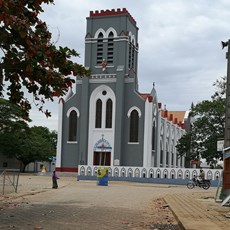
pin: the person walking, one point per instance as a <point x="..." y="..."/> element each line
<point x="54" y="179"/>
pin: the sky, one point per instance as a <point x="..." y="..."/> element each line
<point x="179" y="45"/>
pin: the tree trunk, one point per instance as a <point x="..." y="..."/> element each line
<point x="23" y="167"/>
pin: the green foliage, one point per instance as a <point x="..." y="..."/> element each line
<point x="207" y="128"/>
<point x="30" y="60"/>
<point x="19" y="141"/>
<point x="11" y="116"/>
<point x="29" y="145"/>
<point x="36" y="145"/>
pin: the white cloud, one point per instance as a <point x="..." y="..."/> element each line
<point x="179" y="43"/>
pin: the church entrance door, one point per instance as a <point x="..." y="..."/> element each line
<point x="102" y="158"/>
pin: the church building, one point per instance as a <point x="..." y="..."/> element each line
<point x="107" y="121"/>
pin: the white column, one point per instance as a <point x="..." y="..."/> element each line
<point x="175" y="141"/>
<point x="174" y="157"/>
<point x="183" y="161"/>
<point x="174" y="148"/>
<point x="147" y="150"/>
<point x="59" y="141"/>
<point x="158" y="134"/>
<point x="164" y="142"/>
<point x="170" y="145"/>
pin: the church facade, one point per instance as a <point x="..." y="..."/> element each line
<point x="107" y="121"/>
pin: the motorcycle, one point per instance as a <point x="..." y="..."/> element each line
<point x="205" y="184"/>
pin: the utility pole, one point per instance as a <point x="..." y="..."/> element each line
<point x="226" y="151"/>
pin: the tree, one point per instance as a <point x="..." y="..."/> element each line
<point x="36" y="145"/>
<point x="11" y="116"/>
<point x="29" y="145"/>
<point x="29" y="59"/>
<point x="207" y="128"/>
<point x="18" y="140"/>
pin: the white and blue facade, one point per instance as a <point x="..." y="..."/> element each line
<point x="107" y="121"/>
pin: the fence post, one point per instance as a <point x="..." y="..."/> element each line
<point x="4" y="179"/>
<point x="16" y="189"/>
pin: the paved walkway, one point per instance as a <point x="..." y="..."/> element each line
<point x="199" y="211"/>
<point x="82" y="205"/>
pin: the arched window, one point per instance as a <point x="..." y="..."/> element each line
<point x="167" y="158"/>
<point x="153" y="136"/>
<point x="161" y="158"/>
<point x="172" y="160"/>
<point x="98" y="113"/>
<point x="110" y="48"/>
<point x="100" y="48"/>
<point x="73" y="126"/>
<point x="134" y="123"/>
<point x="161" y="153"/>
<point x="109" y="112"/>
<point x="172" y="155"/>
<point x="130" y="52"/>
<point x="133" y="54"/>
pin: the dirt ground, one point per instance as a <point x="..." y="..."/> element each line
<point x="84" y="205"/>
<point x="156" y="215"/>
<point x="159" y="216"/>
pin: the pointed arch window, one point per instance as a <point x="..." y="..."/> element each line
<point x="172" y="156"/>
<point x="98" y="113"/>
<point x="134" y="124"/>
<point x="133" y="54"/>
<point x="161" y="158"/>
<point x="172" y="159"/>
<point x="153" y="136"/>
<point x="110" y="48"/>
<point x="167" y="159"/>
<point x="100" y="48"/>
<point x="73" y="126"/>
<point x="109" y="112"/>
<point x="130" y="52"/>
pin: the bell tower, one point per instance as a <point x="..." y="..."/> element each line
<point x="111" y="42"/>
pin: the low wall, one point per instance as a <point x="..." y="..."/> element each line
<point x="149" y="175"/>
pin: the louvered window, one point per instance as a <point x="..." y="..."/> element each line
<point x="130" y="52"/>
<point x="100" y="48"/>
<point x="110" y="48"/>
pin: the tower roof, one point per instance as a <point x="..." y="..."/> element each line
<point x="113" y="12"/>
